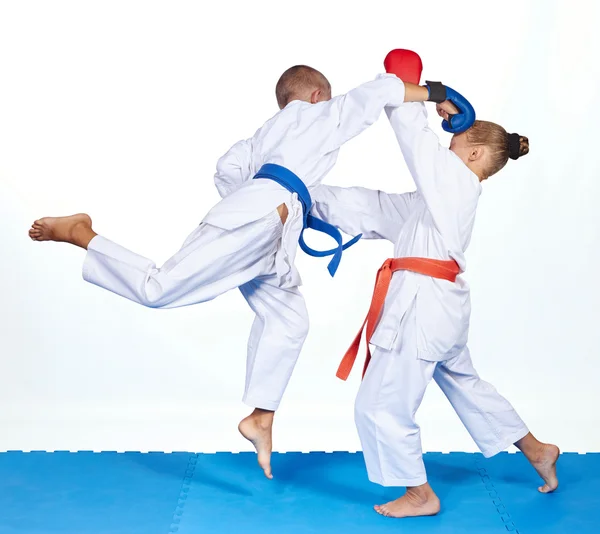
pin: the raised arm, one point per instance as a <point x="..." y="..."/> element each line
<point x="443" y="180"/>
<point x="356" y="210"/>
<point x="234" y="168"/>
<point x="361" y="107"/>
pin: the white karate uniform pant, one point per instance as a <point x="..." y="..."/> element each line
<point x="391" y="393"/>
<point x="211" y="262"/>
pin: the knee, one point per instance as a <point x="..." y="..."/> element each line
<point x="152" y="299"/>
<point x="369" y="409"/>
<point x="300" y="324"/>
<point x="303" y="327"/>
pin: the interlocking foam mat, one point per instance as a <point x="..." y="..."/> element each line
<point x="162" y="493"/>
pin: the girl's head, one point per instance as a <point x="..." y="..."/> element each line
<point x="486" y="147"/>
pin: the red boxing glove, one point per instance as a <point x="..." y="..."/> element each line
<point x="405" y="64"/>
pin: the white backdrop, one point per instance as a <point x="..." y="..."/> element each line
<point x="121" y="109"/>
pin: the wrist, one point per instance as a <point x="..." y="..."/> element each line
<point x="436" y="92"/>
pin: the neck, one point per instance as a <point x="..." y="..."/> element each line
<point x="476" y="170"/>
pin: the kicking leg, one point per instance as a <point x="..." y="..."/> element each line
<point x="211" y="261"/>
<point x="76" y="230"/>
<point x="276" y="339"/>
<point x="490" y="419"/>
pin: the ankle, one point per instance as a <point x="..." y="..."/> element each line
<point x="420" y="495"/>
<point x="82" y="234"/>
<point x="263" y="417"/>
<point x="529" y="445"/>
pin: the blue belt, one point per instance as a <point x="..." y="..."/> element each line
<point x="293" y="184"/>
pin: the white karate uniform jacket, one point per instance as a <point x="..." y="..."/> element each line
<point x="436" y="221"/>
<point x="423" y="330"/>
<point x="305" y="138"/>
<point x="241" y="242"/>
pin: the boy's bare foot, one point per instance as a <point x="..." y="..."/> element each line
<point x="257" y="428"/>
<point x="543" y="457"/>
<point x="75" y="229"/>
<point x="417" y="501"/>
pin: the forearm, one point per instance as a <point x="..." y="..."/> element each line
<point x="357" y="210"/>
<point x="415" y="93"/>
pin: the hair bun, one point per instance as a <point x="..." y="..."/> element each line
<point x="523" y="146"/>
<point x="518" y="145"/>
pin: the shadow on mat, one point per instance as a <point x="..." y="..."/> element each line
<point x="344" y="478"/>
<point x="445" y="479"/>
<point x="319" y="476"/>
<point x="168" y="464"/>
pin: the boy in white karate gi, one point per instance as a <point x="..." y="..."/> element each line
<point x="249" y="239"/>
<point x="419" y="326"/>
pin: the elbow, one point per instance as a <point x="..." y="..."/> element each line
<point x="154" y="296"/>
<point x="153" y="302"/>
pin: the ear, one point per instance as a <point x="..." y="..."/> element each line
<point x="476" y="153"/>
<point x="316" y="96"/>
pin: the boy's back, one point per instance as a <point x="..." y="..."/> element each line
<point x="302" y="137"/>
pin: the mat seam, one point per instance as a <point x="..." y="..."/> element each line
<point x="183" y="493"/>
<point x="486" y="479"/>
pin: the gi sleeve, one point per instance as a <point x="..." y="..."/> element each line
<point x="233" y="169"/>
<point x="358" y="109"/>
<point x="445" y="183"/>
<point x="356" y="210"/>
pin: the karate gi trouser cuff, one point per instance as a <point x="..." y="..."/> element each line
<point x="505" y="443"/>
<point x="262" y="404"/>
<point x="399" y="482"/>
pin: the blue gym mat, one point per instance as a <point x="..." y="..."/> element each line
<point x="185" y="493"/>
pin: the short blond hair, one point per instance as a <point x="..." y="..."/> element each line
<point x="299" y="80"/>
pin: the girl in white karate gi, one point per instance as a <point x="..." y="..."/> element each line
<point x="249" y="239"/>
<point x="422" y="331"/>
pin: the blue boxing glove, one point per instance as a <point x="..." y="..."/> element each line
<point x="462" y="120"/>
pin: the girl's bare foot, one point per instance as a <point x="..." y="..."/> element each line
<point x="257" y="428"/>
<point x="544" y="462"/>
<point x="417" y="501"/>
<point x="543" y="457"/>
<point x="75" y="229"/>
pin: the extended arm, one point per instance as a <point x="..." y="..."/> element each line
<point x="361" y="107"/>
<point x="357" y="210"/>
<point x="443" y="180"/>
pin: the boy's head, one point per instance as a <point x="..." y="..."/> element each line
<point x="302" y="83"/>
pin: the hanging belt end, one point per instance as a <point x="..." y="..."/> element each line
<point x="343" y="374"/>
<point x="333" y="265"/>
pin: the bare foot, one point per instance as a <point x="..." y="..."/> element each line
<point x="418" y="501"/>
<point x="257" y="428"/>
<point x="544" y="462"/>
<point x="75" y="229"/>
<point x="543" y="457"/>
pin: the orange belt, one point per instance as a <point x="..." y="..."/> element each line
<point x="443" y="269"/>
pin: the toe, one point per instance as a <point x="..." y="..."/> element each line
<point x="266" y="467"/>
<point x="547" y="488"/>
